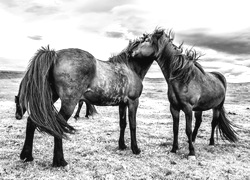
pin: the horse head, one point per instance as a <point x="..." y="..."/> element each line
<point x="150" y="45"/>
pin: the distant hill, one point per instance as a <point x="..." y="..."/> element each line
<point x="11" y="74"/>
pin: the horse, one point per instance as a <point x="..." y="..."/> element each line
<point x="21" y="109"/>
<point x="73" y="74"/>
<point x="190" y="88"/>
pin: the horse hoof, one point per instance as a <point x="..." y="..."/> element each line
<point x="123" y="147"/>
<point x="191" y="158"/>
<point x="26" y="157"/>
<point x="60" y="163"/>
<point x="173" y="151"/>
<point x="136" y="151"/>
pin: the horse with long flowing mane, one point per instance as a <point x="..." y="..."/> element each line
<point x="21" y="109"/>
<point x="190" y="88"/>
<point x="74" y="74"/>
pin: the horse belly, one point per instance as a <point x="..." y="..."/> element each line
<point x="208" y="102"/>
<point x="102" y="97"/>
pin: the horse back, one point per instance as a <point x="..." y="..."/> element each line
<point x="221" y="78"/>
<point x="74" y="63"/>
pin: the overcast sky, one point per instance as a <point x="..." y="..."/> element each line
<point x="217" y="28"/>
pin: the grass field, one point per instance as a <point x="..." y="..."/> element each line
<point x="92" y="153"/>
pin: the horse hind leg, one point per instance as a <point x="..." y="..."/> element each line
<point x="216" y="114"/>
<point x="80" y="103"/>
<point x="67" y="109"/>
<point x="26" y="153"/>
<point x="198" y="120"/>
<point x="90" y="110"/>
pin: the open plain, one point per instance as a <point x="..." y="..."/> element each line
<point x="92" y="153"/>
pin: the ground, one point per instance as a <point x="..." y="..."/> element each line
<point x="92" y="153"/>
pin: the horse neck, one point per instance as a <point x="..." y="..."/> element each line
<point x="141" y="66"/>
<point x="165" y="59"/>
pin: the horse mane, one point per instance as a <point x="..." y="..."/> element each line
<point x="182" y="65"/>
<point x="123" y="56"/>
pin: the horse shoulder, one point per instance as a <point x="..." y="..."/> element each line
<point x="184" y="94"/>
<point x="135" y="87"/>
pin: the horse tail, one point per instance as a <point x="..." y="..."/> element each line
<point x="226" y="127"/>
<point x="37" y="95"/>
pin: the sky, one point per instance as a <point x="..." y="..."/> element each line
<point x="219" y="29"/>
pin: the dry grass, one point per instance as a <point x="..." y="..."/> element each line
<point x="92" y="153"/>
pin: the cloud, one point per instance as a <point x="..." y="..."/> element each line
<point x="9" y="3"/>
<point x="98" y="6"/>
<point x="42" y="10"/>
<point x="237" y="43"/>
<point x="36" y="37"/>
<point x="37" y="8"/>
<point x="114" y="34"/>
<point x="124" y="21"/>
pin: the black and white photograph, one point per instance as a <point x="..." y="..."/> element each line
<point x="124" y="89"/>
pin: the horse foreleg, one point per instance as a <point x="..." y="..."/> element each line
<point x="188" y="115"/>
<point x="26" y="153"/>
<point x="176" y="117"/>
<point x="198" y="120"/>
<point x="80" y="103"/>
<point x="123" y="124"/>
<point x="66" y="111"/>
<point x="132" y="109"/>
<point x="216" y="114"/>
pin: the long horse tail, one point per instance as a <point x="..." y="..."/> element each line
<point x="37" y="95"/>
<point x="226" y="127"/>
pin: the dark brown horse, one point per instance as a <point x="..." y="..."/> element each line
<point x="190" y="88"/>
<point x="74" y="74"/>
<point x="21" y="109"/>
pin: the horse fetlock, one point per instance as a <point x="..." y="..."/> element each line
<point x="194" y="137"/>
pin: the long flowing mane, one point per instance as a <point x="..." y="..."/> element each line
<point x="181" y="65"/>
<point x="123" y="56"/>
